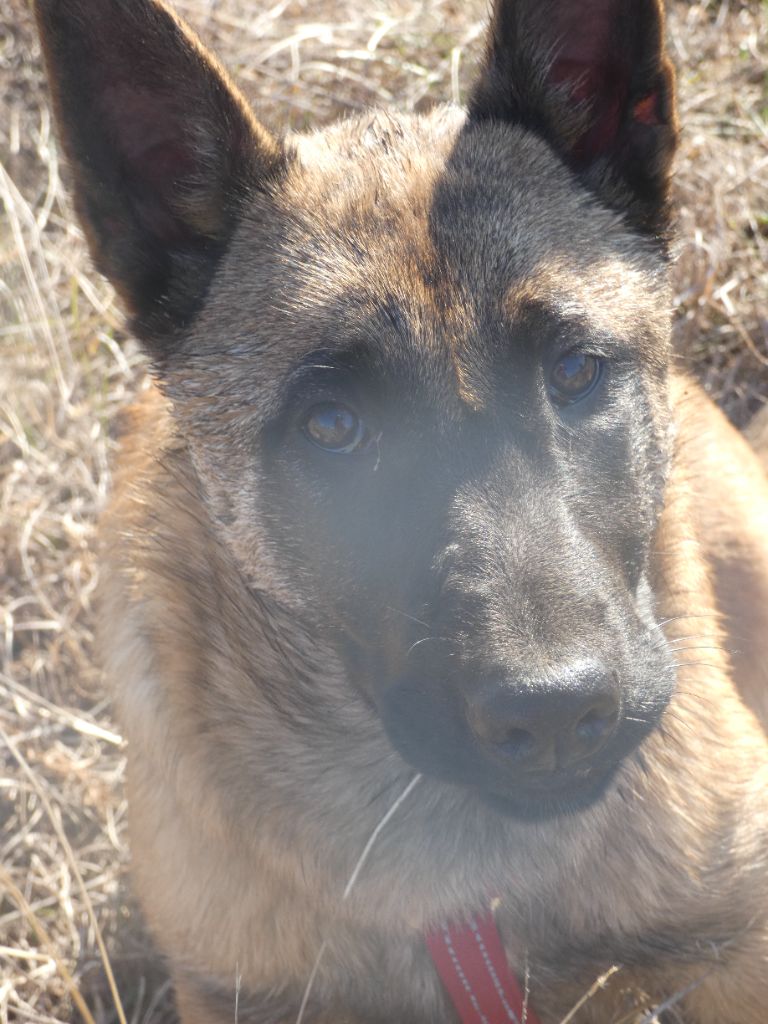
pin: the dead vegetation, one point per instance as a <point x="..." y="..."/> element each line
<point x="66" y="368"/>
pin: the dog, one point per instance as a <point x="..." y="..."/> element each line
<point x="434" y="596"/>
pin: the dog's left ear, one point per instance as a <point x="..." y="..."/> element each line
<point x="592" y="78"/>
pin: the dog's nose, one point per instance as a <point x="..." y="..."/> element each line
<point x="549" y="725"/>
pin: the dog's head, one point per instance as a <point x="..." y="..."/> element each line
<point x="419" y="363"/>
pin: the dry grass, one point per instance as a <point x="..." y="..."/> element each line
<point x="66" y="368"/>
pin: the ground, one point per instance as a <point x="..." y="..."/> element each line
<point x="66" y="367"/>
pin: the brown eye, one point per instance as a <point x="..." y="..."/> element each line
<point x="574" y="376"/>
<point x="335" y="428"/>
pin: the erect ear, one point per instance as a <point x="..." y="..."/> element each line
<point x="162" y="149"/>
<point x="592" y="77"/>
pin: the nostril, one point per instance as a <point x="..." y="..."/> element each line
<point x="518" y="744"/>
<point x="593" y="726"/>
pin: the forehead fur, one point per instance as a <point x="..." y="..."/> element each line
<point x="422" y="232"/>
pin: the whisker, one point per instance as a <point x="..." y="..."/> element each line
<point x="424" y="640"/>
<point x="690" y="636"/>
<point x="704" y="647"/>
<point x="679" y="720"/>
<point x="669" y="643"/>
<point x="697" y="664"/>
<point x="703" y="698"/>
<point x="714" y="632"/>
<point x="406" y="615"/>
<point x="690" y="615"/>
<point x="704" y="636"/>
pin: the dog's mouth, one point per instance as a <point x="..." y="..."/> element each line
<point x="530" y="771"/>
<point x="558" y="797"/>
<point x="527" y="798"/>
<point x="534" y="738"/>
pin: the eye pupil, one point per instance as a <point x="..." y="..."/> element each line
<point x="335" y="428"/>
<point x="574" y="376"/>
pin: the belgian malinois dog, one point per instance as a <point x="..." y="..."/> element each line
<point x="418" y="536"/>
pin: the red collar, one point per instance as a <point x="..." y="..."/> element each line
<point x="472" y="965"/>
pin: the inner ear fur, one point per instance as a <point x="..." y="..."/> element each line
<point x="591" y="77"/>
<point x="162" y="148"/>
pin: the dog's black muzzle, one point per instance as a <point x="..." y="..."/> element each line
<point x="537" y="736"/>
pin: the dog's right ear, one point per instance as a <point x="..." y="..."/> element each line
<point x="163" y="152"/>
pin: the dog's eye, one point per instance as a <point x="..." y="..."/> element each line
<point x="574" y="376"/>
<point x="335" y="428"/>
